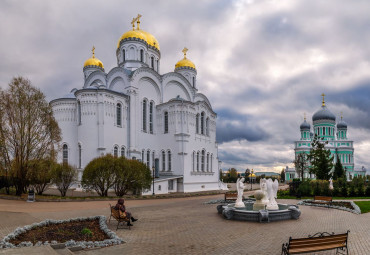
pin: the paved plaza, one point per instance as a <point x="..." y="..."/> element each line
<point x="188" y="226"/>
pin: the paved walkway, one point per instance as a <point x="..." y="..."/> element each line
<point x="188" y="226"/>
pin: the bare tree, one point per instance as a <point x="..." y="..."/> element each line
<point x="301" y="164"/>
<point x="28" y="130"/>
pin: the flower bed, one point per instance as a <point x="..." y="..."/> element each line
<point x="87" y="232"/>
<point x="341" y="205"/>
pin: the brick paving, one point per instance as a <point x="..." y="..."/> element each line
<point x="188" y="226"/>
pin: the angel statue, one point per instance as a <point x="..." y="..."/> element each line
<point x="240" y="190"/>
<point x="272" y="188"/>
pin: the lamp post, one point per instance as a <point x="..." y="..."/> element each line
<point x="153" y="170"/>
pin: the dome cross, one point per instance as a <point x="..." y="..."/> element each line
<point x="323" y="99"/>
<point x="133" y="23"/>
<point x="138" y="21"/>
<point x="93" y="51"/>
<point x="184" y="51"/>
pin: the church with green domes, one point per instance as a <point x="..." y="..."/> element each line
<point x="327" y="128"/>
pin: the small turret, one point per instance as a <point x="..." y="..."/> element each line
<point x="92" y="64"/>
<point x="187" y="68"/>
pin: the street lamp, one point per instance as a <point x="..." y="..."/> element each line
<point x="153" y="170"/>
<point x="252" y="178"/>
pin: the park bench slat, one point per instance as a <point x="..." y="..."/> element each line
<point x="324" y="241"/>
<point x="315" y="248"/>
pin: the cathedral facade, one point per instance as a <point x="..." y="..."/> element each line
<point x="326" y="127"/>
<point x="136" y="112"/>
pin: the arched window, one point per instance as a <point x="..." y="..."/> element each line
<point x="163" y="161"/>
<point x="123" y="152"/>
<point x="198" y="161"/>
<point x="124" y="55"/>
<point x="144" y="115"/>
<point x="119" y="114"/>
<point x="142" y="156"/>
<point x="165" y="122"/>
<point x="207" y="126"/>
<point x="65" y="153"/>
<point x="79" y="156"/>
<point x="79" y="112"/>
<point x="169" y="161"/>
<point x="115" y="151"/>
<point x="193" y="82"/>
<point x="148" y="158"/>
<point x="152" y="62"/>
<point x="202" y="123"/>
<point x="202" y="162"/>
<point x="151" y="117"/>
<point x="207" y="162"/>
<point x="142" y="55"/>
<point x="157" y="63"/>
<point x="197" y="124"/>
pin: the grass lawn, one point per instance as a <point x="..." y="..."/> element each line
<point x="364" y="206"/>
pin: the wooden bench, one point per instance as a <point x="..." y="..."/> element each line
<point x="318" y="242"/>
<point x="323" y="200"/>
<point x="115" y="214"/>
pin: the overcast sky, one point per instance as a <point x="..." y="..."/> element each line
<point x="262" y="64"/>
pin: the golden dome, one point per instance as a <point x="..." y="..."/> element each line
<point x="139" y="34"/>
<point x="93" y="61"/>
<point x="184" y="62"/>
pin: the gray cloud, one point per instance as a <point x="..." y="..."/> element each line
<point x="261" y="63"/>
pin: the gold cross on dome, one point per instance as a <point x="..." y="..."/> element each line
<point x="93" y="51"/>
<point x="138" y="21"/>
<point x="323" y="99"/>
<point x="341" y="115"/>
<point x="133" y="23"/>
<point x="184" y="51"/>
<point x="304" y="116"/>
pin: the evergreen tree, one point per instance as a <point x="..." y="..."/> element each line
<point x="321" y="159"/>
<point x="338" y="170"/>
<point x="282" y="175"/>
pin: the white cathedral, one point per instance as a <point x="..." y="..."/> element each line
<point x="136" y="112"/>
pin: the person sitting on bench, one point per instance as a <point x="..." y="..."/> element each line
<point x="120" y="206"/>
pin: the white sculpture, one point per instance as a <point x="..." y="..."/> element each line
<point x="263" y="186"/>
<point x="240" y="189"/>
<point x="331" y="184"/>
<point x="272" y="188"/>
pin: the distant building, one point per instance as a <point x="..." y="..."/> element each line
<point x="326" y="128"/>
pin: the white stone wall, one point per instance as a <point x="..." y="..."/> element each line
<point x="173" y="92"/>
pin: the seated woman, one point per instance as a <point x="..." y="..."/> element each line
<point x="122" y="211"/>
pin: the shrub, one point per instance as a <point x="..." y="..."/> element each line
<point x="344" y="191"/>
<point x="360" y="191"/>
<point x="63" y="175"/>
<point x="304" y="189"/>
<point x="316" y="188"/>
<point x="100" y="174"/>
<point x="367" y="192"/>
<point x="352" y="191"/>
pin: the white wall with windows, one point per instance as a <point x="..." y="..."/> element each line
<point x="136" y="112"/>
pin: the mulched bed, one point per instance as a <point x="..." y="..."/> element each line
<point x="63" y="232"/>
<point x="335" y="203"/>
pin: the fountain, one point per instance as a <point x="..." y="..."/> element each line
<point x="264" y="209"/>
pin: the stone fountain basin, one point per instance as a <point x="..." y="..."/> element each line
<point x="285" y="212"/>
